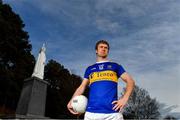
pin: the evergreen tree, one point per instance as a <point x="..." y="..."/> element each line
<point x="60" y="90"/>
<point x="16" y="60"/>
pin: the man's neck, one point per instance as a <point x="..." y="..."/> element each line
<point x="101" y="59"/>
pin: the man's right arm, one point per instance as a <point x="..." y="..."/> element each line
<point x="79" y="91"/>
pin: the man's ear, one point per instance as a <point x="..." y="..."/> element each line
<point x="96" y="52"/>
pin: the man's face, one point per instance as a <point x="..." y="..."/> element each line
<point x="102" y="50"/>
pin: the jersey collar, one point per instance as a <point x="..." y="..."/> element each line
<point x="102" y="61"/>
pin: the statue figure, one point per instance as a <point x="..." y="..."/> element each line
<point x="40" y="63"/>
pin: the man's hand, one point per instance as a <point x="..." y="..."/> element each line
<point x="70" y="108"/>
<point x="119" y="104"/>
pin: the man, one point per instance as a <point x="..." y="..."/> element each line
<point x="102" y="78"/>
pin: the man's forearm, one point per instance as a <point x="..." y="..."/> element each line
<point x="129" y="88"/>
<point x="80" y="90"/>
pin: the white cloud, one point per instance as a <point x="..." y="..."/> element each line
<point x="164" y="85"/>
<point x="153" y="60"/>
<point x="107" y="25"/>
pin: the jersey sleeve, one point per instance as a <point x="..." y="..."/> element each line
<point x="120" y="70"/>
<point x="86" y="74"/>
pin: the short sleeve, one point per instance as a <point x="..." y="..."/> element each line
<point x="120" y="70"/>
<point x="86" y="74"/>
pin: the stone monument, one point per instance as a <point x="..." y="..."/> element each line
<point x="33" y="96"/>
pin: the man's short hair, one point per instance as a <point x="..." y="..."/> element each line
<point x="102" y="42"/>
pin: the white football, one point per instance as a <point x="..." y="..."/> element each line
<point x="79" y="103"/>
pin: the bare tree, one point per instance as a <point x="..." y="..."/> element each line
<point x="141" y="106"/>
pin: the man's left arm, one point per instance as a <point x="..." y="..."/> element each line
<point x="130" y="83"/>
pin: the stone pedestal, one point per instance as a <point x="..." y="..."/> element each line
<point x="33" y="99"/>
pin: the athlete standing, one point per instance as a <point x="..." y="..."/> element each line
<point x="102" y="78"/>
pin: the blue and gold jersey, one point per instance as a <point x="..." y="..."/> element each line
<point x="103" y="79"/>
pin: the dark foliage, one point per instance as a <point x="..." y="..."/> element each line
<point x="60" y="90"/>
<point x="16" y="60"/>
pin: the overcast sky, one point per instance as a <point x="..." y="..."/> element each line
<point x="144" y="36"/>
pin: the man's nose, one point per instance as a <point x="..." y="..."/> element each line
<point x="104" y="48"/>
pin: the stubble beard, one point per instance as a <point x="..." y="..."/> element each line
<point x="102" y="56"/>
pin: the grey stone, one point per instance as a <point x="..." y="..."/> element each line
<point x="33" y="98"/>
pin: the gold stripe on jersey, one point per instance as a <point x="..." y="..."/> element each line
<point x="103" y="75"/>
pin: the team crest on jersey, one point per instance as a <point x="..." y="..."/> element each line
<point x="109" y="66"/>
<point x="101" y="66"/>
